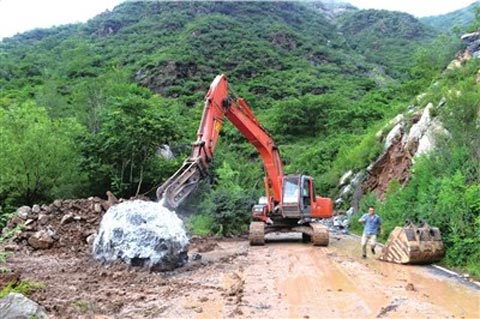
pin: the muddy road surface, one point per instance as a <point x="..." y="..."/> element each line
<point x="283" y="279"/>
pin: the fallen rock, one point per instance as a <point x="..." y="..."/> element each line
<point x="42" y="239"/>
<point x="97" y="208"/>
<point x="66" y="219"/>
<point x="198" y="309"/>
<point x="42" y="219"/>
<point x="36" y="209"/>
<point x="410" y="287"/>
<point x="17" y="306"/>
<point x="23" y="212"/>
<point x="11" y="247"/>
<point x="142" y="233"/>
<point x="91" y="239"/>
<point x="112" y="200"/>
<point x="57" y="203"/>
<point x="29" y="222"/>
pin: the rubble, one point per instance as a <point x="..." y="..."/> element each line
<point x="35" y="209"/>
<point x="23" y="212"/>
<point x="62" y="225"/>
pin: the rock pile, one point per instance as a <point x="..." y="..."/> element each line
<point x="64" y="224"/>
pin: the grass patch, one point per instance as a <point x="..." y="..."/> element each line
<point x="24" y="287"/>
<point x="81" y="306"/>
<point x="9" y="234"/>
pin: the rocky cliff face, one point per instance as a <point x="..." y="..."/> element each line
<point x="404" y="138"/>
<point x="472" y="43"/>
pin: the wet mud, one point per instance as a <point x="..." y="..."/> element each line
<point x="283" y="279"/>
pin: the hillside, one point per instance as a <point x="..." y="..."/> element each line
<point x="459" y="18"/>
<point x="385" y="37"/>
<point x="292" y="57"/>
<point x="86" y="108"/>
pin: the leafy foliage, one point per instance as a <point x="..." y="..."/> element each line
<point x="23" y="287"/>
<point x="385" y="37"/>
<point x="38" y="158"/>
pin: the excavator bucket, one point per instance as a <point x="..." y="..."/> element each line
<point x="182" y="183"/>
<point x="413" y="245"/>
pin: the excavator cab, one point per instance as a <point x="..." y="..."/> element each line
<point x="297" y="197"/>
<point x="300" y="201"/>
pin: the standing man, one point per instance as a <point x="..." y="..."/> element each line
<point x="373" y="226"/>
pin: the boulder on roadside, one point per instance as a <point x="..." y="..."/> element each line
<point x="17" y="306"/>
<point x="142" y="233"/>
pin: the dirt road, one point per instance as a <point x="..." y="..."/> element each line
<point x="284" y="279"/>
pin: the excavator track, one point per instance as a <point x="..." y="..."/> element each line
<point x="256" y="234"/>
<point x="320" y="235"/>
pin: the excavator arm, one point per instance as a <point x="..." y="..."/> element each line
<point x="219" y="105"/>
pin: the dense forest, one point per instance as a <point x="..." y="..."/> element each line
<point x="86" y="108"/>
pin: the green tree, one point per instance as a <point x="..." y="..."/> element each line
<point x="122" y="153"/>
<point x="38" y="157"/>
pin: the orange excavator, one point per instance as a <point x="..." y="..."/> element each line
<point x="290" y="203"/>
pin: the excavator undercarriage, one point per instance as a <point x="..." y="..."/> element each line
<point x="312" y="232"/>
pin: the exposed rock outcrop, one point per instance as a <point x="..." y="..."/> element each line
<point x="472" y="41"/>
<point x="402" y="144"/>
<point x="406" y="140"/>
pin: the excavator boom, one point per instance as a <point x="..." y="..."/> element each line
<point x="219" y="105"/>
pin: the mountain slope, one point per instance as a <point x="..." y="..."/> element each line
<point x="385" y="37"/>
<point x="165" y="45"/>
<point x="126" y="82"/>
<point x="459" y="18"/>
